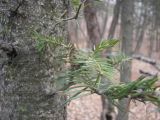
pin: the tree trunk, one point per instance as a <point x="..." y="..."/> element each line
<point x="151" y="40"/>
<point x="105" y="19"/>
<point x="127" y="32"/>
<point x="108" y="109"/>
<point x="26" y="78"/>
<point x="115" y="19"/>
<point x="93" y="27"/>
<point x="143" y="28"/>
<point x="156" y="10"/>
<point x="157" y="40"/>
<point x="95" y="37"/>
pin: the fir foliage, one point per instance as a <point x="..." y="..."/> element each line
<point x="88" y="73"/>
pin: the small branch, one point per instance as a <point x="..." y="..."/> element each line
<point x="71" y="18"/>
<point x="77" y="13"/>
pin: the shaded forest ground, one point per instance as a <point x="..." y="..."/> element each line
<point x="89" y="107"/>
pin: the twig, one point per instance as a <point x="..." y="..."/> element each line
<point x="71" y="18"/>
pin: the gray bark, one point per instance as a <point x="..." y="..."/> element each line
<point x="127" y="34"/>
<point x="26" y="78"/>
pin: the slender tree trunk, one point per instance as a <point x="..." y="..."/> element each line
<point x="93" y="27"/>
<point x="95" y="37"/>
<point x="138" y="23"/>
<point x="143" y="28"/>
<point x="141" y="37"/>
<point x="127" y="32"/>
<point x="156" y="10"/>
<point x="72" y="26"/>
<point x="108" y="109"/>
<point x="26" y="78"/>
<point x="151" y="40"/>
<point x="115" y="19"/>
<point x="157" y="40"/>
<point x="104" y="22"/>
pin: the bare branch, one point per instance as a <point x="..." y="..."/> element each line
<point x="71" y="18"/>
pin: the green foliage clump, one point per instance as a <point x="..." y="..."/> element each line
<point x="42" y="41"/>
<point x="54" y="47"/>
<point x="88" y="72"/>
<point x="142" y="90"/>
<point x="91" y="73"/>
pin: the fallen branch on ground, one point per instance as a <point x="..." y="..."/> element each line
<point x="150" y="61"/>
<point x="146" y="73"/>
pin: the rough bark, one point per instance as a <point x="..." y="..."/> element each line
<point x="127" y="32"/>
<point x="26" y="78"/>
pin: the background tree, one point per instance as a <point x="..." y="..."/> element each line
<point x="93" y="27"/>
<point x="156" y="9"/>
<point x="144" y="25"/>
<point x="95" y="36"/>
<point x="115" y="19"/>
<point x="126" y="48"/>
